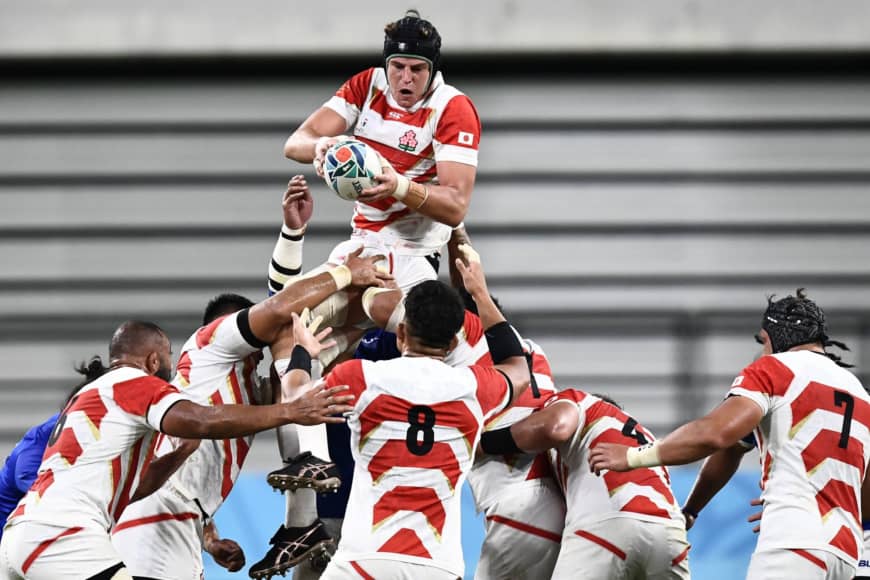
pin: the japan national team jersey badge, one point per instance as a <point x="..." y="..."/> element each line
<point x="408" y="141"/>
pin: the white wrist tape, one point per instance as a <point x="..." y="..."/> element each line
<point x="402" y="186"/>
<point x="469" y="253"/>
<point x="342" y="276"/>
<point x="292" y="232"/>
<point x="644" y="456"/>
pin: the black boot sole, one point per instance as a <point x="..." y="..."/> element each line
<point x="319" y="551"/>
<point x="291" y="483"/>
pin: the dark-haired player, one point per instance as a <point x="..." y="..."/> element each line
<point x="103" y="442"/>
<point x="414" y="432"/>
<point x="428" y="134"/>
<point x="19" y="470"/>
<point x="217" y="366"/>
<point x="302" y="535"/>
<point x="619" y="527"/>
<point x="811" y="419"/>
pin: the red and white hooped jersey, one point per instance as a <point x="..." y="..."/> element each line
<point x="215" y="367"/>
<point x="493" y="474"/>
<point x="444" y="126"/>
<point x="102" y="443"/>
<point x="414" y="428"/>
<point x="643" y="494"/>
<point x="471" y="346"/>
<point x="814" y="444"/>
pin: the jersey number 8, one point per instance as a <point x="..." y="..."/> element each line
<point x="421" y="420"/>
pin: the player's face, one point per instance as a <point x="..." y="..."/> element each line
<point x="165" y="353"/>
<point x="408" y="78"/>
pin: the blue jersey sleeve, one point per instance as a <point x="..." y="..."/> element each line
<point x="30" y="451"/>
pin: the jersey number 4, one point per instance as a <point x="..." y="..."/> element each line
<point x="630" y="430"/>
<point x="420" y="436"/>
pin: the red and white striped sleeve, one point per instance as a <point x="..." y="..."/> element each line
<point x="146" y="397"/>
<point x="764" y="379"/>
<point x="493" y="389"/>
<point x="457" y="136"/>
<point x="351" y="96"/>
<point x="348" y="373"/>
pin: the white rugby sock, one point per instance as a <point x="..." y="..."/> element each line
<point x="313" y="438"/>
<point x="301" y="508"/>
<point x="288" y="442"/>
<point x="294" y="439"/>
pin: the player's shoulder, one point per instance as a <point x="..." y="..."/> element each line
<point x="373" y="77"/>
<point x="447" y="97"/>
<point x="779" y="365"/>
<point x="444" y="89"/>
<point x="352" y="366"/>
<point x="813" y="365"/>
<point x="206" y="334"/>
<point x="573" y="395"/>
<point x="111" y="378"/>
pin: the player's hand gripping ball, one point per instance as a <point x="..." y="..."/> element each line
<point x="350" y="167"/>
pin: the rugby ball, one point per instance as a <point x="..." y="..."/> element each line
<point x="350" y="167"/>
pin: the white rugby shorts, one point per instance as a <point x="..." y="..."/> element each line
<point x="784" y="564"/>
<point x="161" y="537"/>
<point x="523" y="534"/>
<point x="39" y="551"/>
<point x="624" y="548"/>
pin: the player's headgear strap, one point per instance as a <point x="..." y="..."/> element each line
<point x="413" y="37"/>
<point x="796" y="320"/>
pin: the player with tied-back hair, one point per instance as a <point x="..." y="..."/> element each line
<point x="217" y="366"/>
<point x="103" y="443"/>
<point x="19" y="471"/>
<point x="811" y="419"/>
